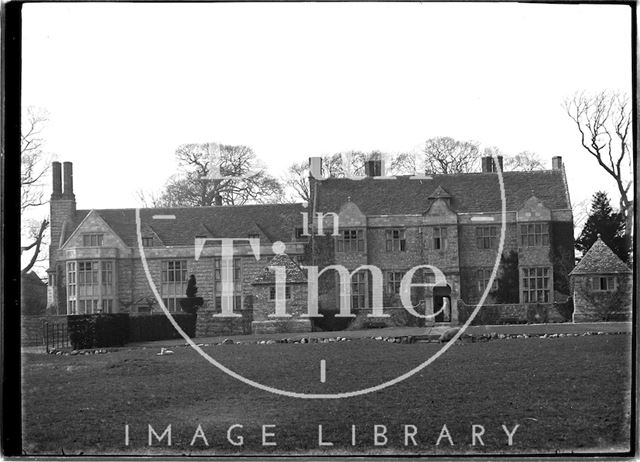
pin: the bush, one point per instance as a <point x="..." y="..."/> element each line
<point x="98" y="330"/>
<point x="156" y="326"/>
<point x="536" y="314"/>
<point x="565" y="309"/>
<point x="329" y="322"/>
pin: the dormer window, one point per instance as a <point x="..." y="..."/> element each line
<point x="92" y="240"/>
<point x="147" y="242"/>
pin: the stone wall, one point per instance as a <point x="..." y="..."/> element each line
<point x="296" y="306"/>
<point x="593" y="306"/>
<point x="209" y="326"/>
<point x="31" y="332"/>
<point x="511" y="313"/>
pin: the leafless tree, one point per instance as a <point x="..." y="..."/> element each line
<point x="297" y="179"/>
<point x="212" y="174"/>
<point x="34" y="167"/>
<point x="526" y="161"/>
<point x="445" y="155"/>
<point x="405" y="163"/>
<point x="603" y="121"/>
<point x="338" y="165"/>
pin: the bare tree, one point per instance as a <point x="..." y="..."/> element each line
<point x="340" y="165"/>
<point x="297" y="179"/>
<point x="603" y="121"/>
<point x="405" y="163"/>
<point x="526" y="161"/>
<point x="213" y="174"/>
<point x="34" y="166"/>
<point x="445" y="155"/>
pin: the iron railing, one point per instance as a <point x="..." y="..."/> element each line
<point x="55" y="335"/>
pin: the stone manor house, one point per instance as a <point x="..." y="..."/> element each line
<point x="452" y="222"/>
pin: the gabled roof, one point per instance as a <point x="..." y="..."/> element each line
<point x="600" y="259"/>
<point x="439" y="193"/>
<point x="294" y="273"/>
<point x="276" y="221"/>
<point x="470" y="192"/>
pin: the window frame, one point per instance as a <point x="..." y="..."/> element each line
<point x="542" y="279"/>
<point x="392" y="281"/>
<point x="439" y="239"/>
<point x="94" y="239"/>
<point x="395" y="240"/>
<point x="350" y="240"/>
<point x="534" y="234"/>
<point x="486" y="237"/>
<point x="483" y="275"/>
<point x="174" y="276"/>
<point x="610" y="283"/>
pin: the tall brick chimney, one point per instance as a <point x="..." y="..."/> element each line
<point x="67" y="192"/>
<point x="373" y="168"/>
<point x="62" y="209"/>
<point x="556" y="163"/>
<point x="315" y="167"/>
<point x="56" y="168"/>
<point x="488" y="164"/>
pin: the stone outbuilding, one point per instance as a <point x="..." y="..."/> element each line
<point x="294" y="293"/>
<point x="601" y="285"/>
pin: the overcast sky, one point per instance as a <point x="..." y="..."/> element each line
<point x="125" y="84"/>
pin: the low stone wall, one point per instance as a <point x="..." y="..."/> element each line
<point x="31" y="328"/>
<point x="398" y="317"/>
<point x="281" y="325"/>
<point x="209" y="326"/>
<point x="513" y="313"/>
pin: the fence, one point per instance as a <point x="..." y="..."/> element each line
<point x="55" y="335"/>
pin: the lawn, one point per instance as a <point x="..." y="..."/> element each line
<point x="566" y="394"/>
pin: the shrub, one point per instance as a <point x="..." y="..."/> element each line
<point x="98" y="330"/>
<point x="565" y="309"/>
<point x="156" y="326"/>
<point x="536" y="313"/>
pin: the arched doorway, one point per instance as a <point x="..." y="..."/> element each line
<point x="442" y="303"/>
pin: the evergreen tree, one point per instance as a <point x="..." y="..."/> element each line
<point x="508" y="290"/>
<point x="607" y="223"/>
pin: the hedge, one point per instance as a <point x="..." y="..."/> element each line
<point x="156" y="326"/>
<point x="116" y="329"/>
<point x="98" y="330"/>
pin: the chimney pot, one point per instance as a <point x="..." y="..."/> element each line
<point x="56" y="168"/>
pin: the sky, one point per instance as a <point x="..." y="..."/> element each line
<point x="125" y="84"/>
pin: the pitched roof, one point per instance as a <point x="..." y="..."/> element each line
<point x="600" y="259"/>
<point x="276" y="222"/>
<point x="294" y="273"/>
<point x="470" y="192"/>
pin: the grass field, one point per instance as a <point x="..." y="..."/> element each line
<point x="566" y="394"/>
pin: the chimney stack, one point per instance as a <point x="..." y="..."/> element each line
<point x="556" y="163"/>
<point x="67" y="192"/>
<point x="218" y="199"/>
<point x="315" y="167"/>
<point x="373" y="168"/>
<point x="56" y="168"/>
<point x="489" y="166"/>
